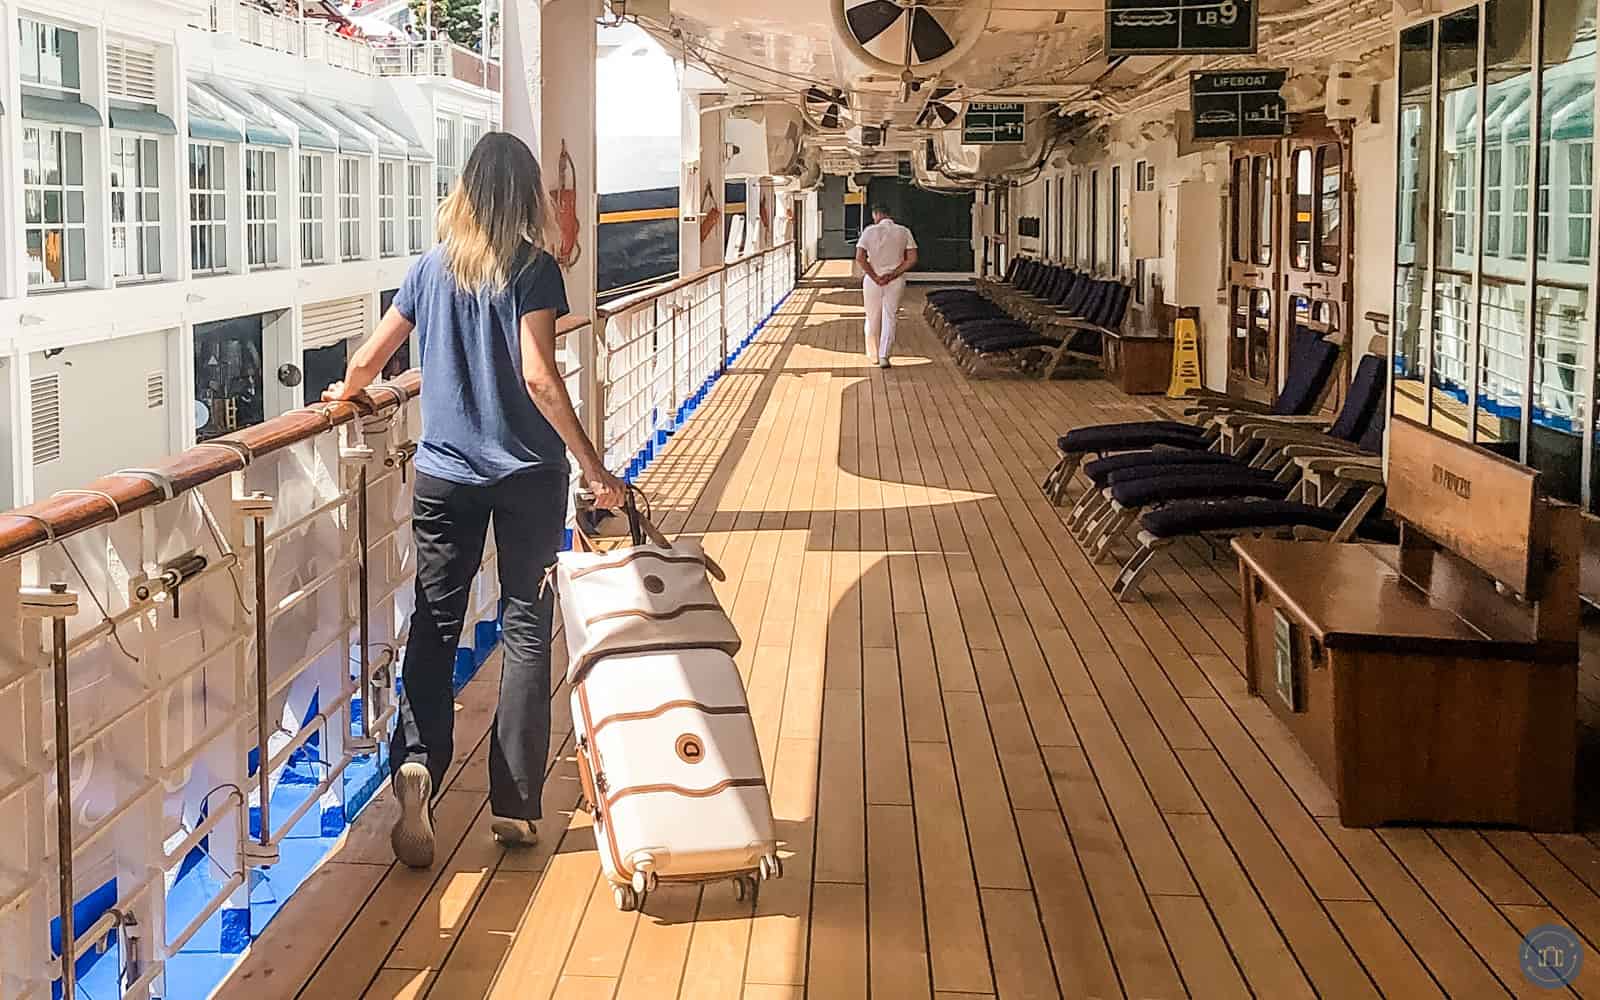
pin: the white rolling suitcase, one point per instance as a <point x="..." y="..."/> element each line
<point x="667" y="753"/>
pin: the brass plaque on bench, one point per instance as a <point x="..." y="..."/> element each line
<point x="1472" y="502"/>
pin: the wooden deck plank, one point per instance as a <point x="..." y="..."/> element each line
<point x="897" y="938"/>
<point x="991" y="778"/>
<point x="1203" y="958"/>
<point x="949" y="887"/>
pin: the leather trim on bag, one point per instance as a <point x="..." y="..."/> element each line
<point x="651" y="615"/>
<point x="663" y="709"/>
<point x="693" y="793"/>
<point x="633" y="555"/>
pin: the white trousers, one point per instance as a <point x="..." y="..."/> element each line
<point x="882" y="303"/>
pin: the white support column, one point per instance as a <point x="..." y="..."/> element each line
<point x="551" y="47"/>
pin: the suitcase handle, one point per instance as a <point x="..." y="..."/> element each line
<point x="586" y="781"/>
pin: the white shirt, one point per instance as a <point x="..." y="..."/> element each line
<point x="885" y="244"/>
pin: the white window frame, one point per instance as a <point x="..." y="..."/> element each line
<point x="1494" y="185"/>
<point x="1520" y="173"/>
<point x="1580" y="200"/>
<point x="349" y="207"/>
<point x="391" y="193"/>
<point x="261" y="208"/>
<point x="309" y="197"/>
<point x="37" y="192"/>
<point x="139" y="192"/>
<point x="24" y="23"/>
<point x="416" y="207"/>
<point x="447" y="163"/>
<point x="208" y="230"/>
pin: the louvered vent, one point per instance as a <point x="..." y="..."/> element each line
<point x="325" y="323"/>
<point x="131" y="70"/>
<point x="155" y="390"/>
<point x="45" y="393"/>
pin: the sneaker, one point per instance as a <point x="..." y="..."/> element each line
<point x="412" y="835"/>
<point x="883" y="362"/>
<point x="514" y="832"/>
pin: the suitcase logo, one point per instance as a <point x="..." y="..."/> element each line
<point x="690" y="750"/>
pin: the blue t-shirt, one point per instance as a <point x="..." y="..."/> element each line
<point x="479" y="424"/>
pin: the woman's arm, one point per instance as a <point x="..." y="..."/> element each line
<point x="370" y="357"/>
<point x="549" y="393"/>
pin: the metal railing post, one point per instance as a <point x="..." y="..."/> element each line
<point x="356" y="451"/>
<point x="256" y="507"/>
<point x="590" y="351"/>
<point x="58" y="604"/>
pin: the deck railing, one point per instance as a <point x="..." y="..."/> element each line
<point x="659" y="349"/>
<point x="315" y="39"/>
<point x="225" y="626"/>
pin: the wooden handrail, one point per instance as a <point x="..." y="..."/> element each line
<point x="642" y="296"/>
<point x="110" y="497"/>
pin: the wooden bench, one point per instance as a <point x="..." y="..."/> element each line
<point x="1436" y="680"/>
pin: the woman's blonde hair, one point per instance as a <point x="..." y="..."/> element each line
<point x="492" y="213"/>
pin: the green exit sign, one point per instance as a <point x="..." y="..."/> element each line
<point x="994" y="124"/>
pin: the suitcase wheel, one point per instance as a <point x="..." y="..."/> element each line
<point x="771" y="867"/>
<point x="626" y="899"/>
<point x="746" y="887"/>
<point x="644" y="882"/>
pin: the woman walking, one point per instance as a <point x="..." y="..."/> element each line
<point x="496" y="426"/>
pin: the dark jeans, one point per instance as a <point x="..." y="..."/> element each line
<point x="450" y="522"/>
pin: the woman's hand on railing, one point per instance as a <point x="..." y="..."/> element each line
<point x="339" y="392"/>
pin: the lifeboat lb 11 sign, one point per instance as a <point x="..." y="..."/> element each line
<point x="1238" y="104"/>
<point x="1159" y="27"/>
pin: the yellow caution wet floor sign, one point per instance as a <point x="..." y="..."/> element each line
<point x="1185" y="359"/>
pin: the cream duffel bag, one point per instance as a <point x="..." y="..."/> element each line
<point x="650" y="596"/>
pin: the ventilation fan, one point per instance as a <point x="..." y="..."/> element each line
<point x="824" y="106"/>
<point x="908" y="39"/>
<point x="938" y="112"/>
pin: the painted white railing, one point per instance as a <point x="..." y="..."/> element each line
<point x="315" y="39"/>
<point x="659" y="349"/>
<point x="244" y="602"/>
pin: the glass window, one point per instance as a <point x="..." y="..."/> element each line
<point x="49" y="56"/>
<point x="1300" y="169"/>
<point x="349" y="208"/>
<point x="1580" y="200"/>
<point x="53" y="207"/>
<point x="1239" y="195"/>
<point x="1563" y="311"/>
<point x="135" y="207"/>
<point x="1454" y="241"/>
<point x="1330" y="208"/>
<point x="388" y="208"/>
<point x="208" y="208"/>
<point x="1061" y="218"/>
<point x="1116" y="220"/>
<point x="416" y="202"/>
<point x="1077" y="218"/>
<point x="1044" y="224"/>
<point x="228" y="378"/>
<point x="261" y="206"/>
<point x="1094" y="220"/>
<point x="445" y="155"/>
<point x="1493" y="197"/>
<point x="1500" y="361"/>
<point x="312" y="250"/>
<point x="1414" y="138"/>
<point x="1520" y="172"/>
<point x="1261" y="199"/>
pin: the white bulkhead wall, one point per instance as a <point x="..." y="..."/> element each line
<point x="1190" y="268"/>
<point x="169" y="308"/>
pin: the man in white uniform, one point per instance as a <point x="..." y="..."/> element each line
<point x="885" y="252"/>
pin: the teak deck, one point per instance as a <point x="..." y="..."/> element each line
<point x="992" y="779"/>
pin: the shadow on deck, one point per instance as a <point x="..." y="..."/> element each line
<point x="992" y="779"/>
